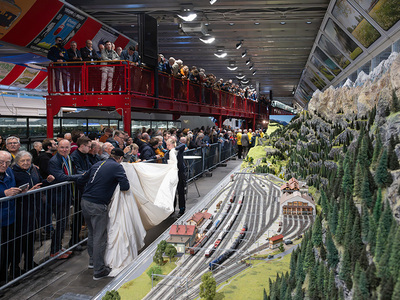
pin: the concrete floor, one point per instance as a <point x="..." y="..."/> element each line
<point x="72" y="280"/>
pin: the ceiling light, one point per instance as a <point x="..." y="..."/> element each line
<point x="231" y="24"/>
<point x="248" y="62"/>
<point x="256" y="23"/>
<point x="245" y="82"/>
<point x="241" y="77"/>
<point x="239" y="45"/>
<point x="244" y="53"/>
<point x="232" y="68"/>
<point x="212" y="1"/>
<point x="308" y="22"/>
<point x="254" y="72"/>
<point x="189" y="18"/>
<point x="221" y="55"/>
<point x="207" y="40"/>
<point x="251" y="67"/>
<point x="283" y="23"/>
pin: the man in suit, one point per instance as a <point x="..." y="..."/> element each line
<point x="89" y="55"/>
<point x="74" y="55"/>
<point x="62" y="168"/>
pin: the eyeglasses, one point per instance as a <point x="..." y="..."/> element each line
<point x="8" y="162"/>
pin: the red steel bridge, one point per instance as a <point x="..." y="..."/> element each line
<point x="133" y="88"/>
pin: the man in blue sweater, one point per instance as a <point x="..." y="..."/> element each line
<point x="102" y="179"/>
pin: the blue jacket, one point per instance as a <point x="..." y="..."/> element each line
<point x="7" y="207"/>
<point x="101" y="181"/>
<point x="54" y="53"/>
<point x="81" y="161"/>
<point x="147" y="152"/>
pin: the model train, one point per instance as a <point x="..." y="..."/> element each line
<point x="210" y="250"/>
<point x="193" y="250"/>
<point x="217" y="262"/>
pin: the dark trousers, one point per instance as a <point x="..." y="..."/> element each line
<point x="76" y="225"/>
<point x="181" y="191"/>
<point x="6" y="250"/>
<point x="240" y="150"/>
<point x="60" y="207"/>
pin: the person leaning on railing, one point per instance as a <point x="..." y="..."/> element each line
<point x="58" y="53"/>
<point x="27" y="209"/>
<point x="7" y="216"/>
<point x="107" y="72"/>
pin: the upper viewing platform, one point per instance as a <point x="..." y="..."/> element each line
<point x="127" y="87"/>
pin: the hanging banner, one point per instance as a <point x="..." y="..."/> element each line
<point x="11" y="12"/>
<point x="65" y="24"/>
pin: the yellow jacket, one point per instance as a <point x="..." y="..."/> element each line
<point x="239" y="138"/>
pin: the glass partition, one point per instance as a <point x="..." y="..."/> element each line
<point x="327" y="61"/>
<point x="97" y="125"/>
<point x="56" y="127"/>
<point x="355" y="23"/>
<point x="37" y="127"/>
<point x="13" y="126"/>
<point x="384" y="12"/>
<point x="174" y="124"/>
<point x="333" y="52"/>
<point x="159" y="125"/>
<point x="322" y="68"/>
<point x="137" y="125"/>
<point x="114" y="124"/>
<point x="316" y="80"/>
<point x="342" y="40"/>
<point x="68" y="125"/>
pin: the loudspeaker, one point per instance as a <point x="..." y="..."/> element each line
<point x="148" y="40"/>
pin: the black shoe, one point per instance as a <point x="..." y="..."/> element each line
<point x="103" y="274"/>
<point x="181" y="213"/>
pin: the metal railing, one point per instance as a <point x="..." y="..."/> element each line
<point x="38" y="227"/>
<point x="120" y="77"/>
<point x="43" y="225"/>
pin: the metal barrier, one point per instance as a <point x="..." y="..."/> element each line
<point x="45" y="224"/>
<point x="40" y="226"/>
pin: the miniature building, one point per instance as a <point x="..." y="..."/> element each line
<point x="198" y="218"/>
<point x="290" y="186"/>
<point x="275" y="241"/>
<point x="182" y="236"/>
<point x="297" y="204"/>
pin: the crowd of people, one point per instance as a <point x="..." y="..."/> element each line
<point x="73" y="157"/>
<point x="71" y="76"/>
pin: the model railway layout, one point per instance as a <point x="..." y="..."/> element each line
<point x="241" y="218"/>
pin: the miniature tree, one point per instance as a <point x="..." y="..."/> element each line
<point x="112" y="295"/>
<point x="281" y="247"/>
<point x="154" y="270"/>
<point x="158" y="257"/>
<point x="208" y="286"/>
<point x="170" y="251"/>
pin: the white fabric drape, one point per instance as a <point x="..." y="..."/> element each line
<point x="149" y="201"/>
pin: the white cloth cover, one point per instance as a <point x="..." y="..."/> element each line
<point x="149" y="201"/>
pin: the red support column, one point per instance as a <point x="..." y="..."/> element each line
<point x="220" y="121"/>
<point x="254" y="122"/>
<point x="126" y="115"/>
<point x="50" y="120"/>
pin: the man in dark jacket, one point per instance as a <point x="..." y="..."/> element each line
<point x="61" y="167"/>
<point x="148" y="150"/>
<point x="102" y="179"/>
<point x="74" y="55"/>
<point x="117" y="140"/>
<point x="81" y="162"/>
<point x="89" y="55"/>
<point x="57" y="53"/>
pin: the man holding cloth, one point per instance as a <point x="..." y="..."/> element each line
<point x="102" y="179"/>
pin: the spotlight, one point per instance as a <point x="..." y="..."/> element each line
<point x="248" y="62"/>
<point x="283" y="23"/>
<point x="239" y="45"/>
<point x="188" y="18"/>
<point x="212" y="1"/>
<point x="232" y="68"/>
<point x="244" y="53"/>
<point x="240" y="77"/>
<point x="207" y="40"/>
<point x="254" y="72"/>
<point x="251" y="67"/>
<point x="245" y="82"/>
